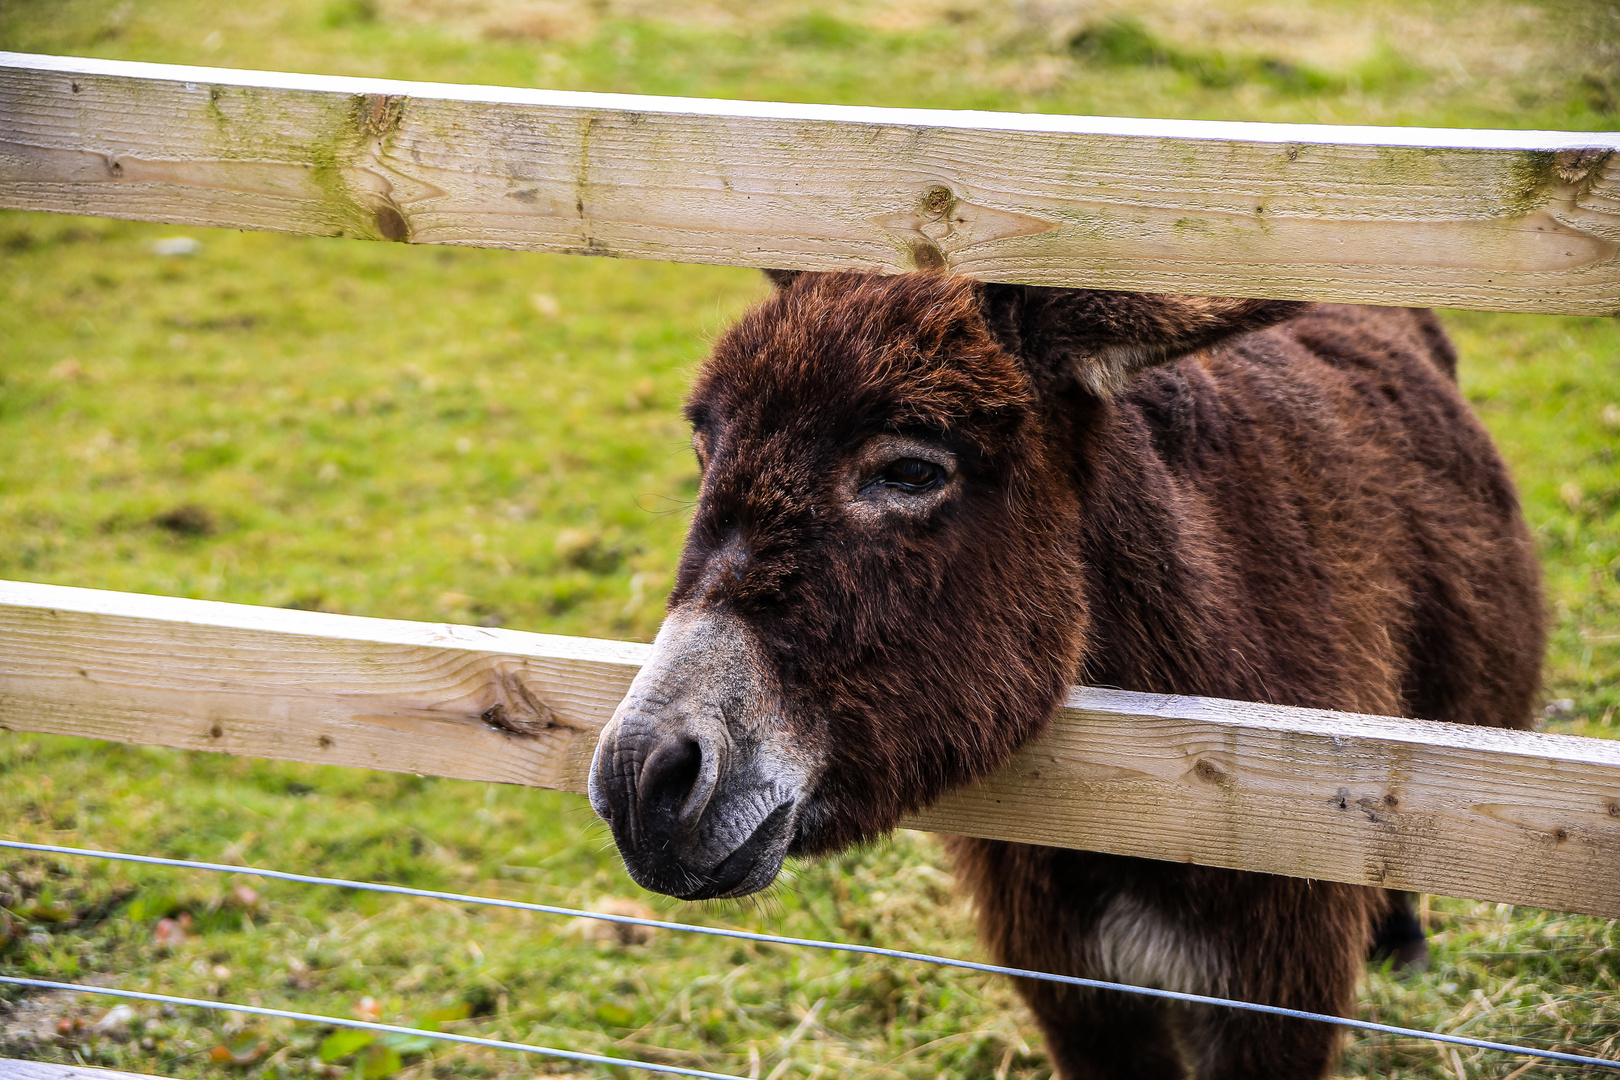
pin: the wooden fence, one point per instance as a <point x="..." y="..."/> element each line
<point x="1504" y="220"/>
<point x="1522" y="221"/>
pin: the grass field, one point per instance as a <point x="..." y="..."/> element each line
<point x="493" y="437"/>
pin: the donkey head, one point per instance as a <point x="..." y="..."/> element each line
<point x="881" y="594"/>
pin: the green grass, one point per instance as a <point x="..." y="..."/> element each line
<point x="363" y="427"/>
<point x="493" y="437"/>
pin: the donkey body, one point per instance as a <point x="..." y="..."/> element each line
<point x="929" y="505"/>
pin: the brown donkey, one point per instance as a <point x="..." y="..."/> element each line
<point x="928" y="506"/>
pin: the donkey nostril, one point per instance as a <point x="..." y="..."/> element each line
<point x="670" y="774"/>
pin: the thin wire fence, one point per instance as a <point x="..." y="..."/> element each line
<point x="367" y="1025"/>
<point x="810" y="943"/>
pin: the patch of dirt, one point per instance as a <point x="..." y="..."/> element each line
<point x="188" y="519"/>
<point x="45" y="1019"/>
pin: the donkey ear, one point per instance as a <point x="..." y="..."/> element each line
<point x="1100" y="339"/>
<point x="782" y="278"/>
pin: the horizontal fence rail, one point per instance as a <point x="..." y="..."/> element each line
<point x="1516" y="817"/>
<point x="13" y="1069"/>
<point x="1503" y="220"/>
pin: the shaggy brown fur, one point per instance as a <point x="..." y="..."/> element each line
<point x="1242" y="499"/>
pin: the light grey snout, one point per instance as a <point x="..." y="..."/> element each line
<point x="696" y="774"/>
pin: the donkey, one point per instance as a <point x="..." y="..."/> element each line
<point x="929" y="505"/>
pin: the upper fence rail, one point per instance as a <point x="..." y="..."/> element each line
<point x="1509" y="816"/>
<point x="1496" y="220"/>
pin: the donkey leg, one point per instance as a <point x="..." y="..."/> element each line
<point x="1399" y="938"/>
<point x="1305" y="949"/>
<point x="1103" y="1035"/>
<point x="1237" y="1045"/>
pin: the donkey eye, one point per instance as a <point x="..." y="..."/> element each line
<point x="911" y="475"/>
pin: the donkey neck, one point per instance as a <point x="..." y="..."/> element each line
<point x="1169" y="612"/>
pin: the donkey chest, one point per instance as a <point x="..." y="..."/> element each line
<point x="1132" y="941"/>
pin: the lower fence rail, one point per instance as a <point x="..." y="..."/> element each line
<point x="1507" y="816"/>
<point x="14" y="1069"/>
<point x="1514" y="817"/>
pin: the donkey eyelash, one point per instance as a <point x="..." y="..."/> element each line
<point x="912" y="475"/>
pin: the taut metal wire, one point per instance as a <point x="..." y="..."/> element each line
<point x="833" y="946"/>
<point x="365" y="1025"/>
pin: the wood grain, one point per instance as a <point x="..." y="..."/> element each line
<point x="13" y="1069"/>
<point x="1514" y="221"/>
<point x="439" y="700"/>
<point x="1514" y="817"/>
<point x="1509" y="816"/>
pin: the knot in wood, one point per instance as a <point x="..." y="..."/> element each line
<point x="515" y="709"/>
<point x="1573" y="166"/>
<point x="379" y="115"/>
<point x="938" y="200"/>
<point x="392" y="224"/>
<point x="926" y="255"/>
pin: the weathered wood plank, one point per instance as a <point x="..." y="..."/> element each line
<point x="1508" y="816"/>
<point x="441" y="700"/>
<point x="1517" y="221"/>
<point x="14" y="1069"/>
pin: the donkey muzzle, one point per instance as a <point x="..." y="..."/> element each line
<point x="694" y="774"/>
